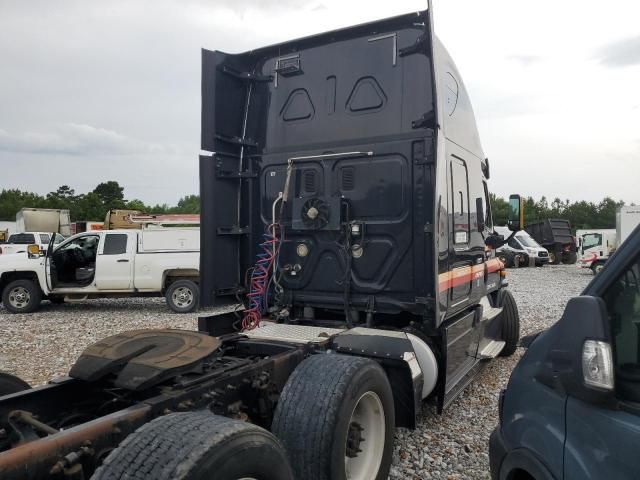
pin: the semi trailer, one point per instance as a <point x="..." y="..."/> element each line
<point x="345" y="202"/>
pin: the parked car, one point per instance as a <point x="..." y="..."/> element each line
<point x="147" y="262"/>
<point x="18" y="242"/>
<point x="521" y="249"/>
<point x="571" y="409"/>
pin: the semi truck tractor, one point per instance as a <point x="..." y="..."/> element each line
<point x="345" y="201"/>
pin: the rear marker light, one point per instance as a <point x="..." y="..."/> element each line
<point x="597" y="364"/>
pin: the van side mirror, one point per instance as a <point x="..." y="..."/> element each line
<point x="579" y="356"/>
<point x="516" y="213"/>
<point x="480" y="214"/>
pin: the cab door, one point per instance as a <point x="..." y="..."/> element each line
<point x="114" y="265"/>
<point x="602" y="440"/>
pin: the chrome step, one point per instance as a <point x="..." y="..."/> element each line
<point x="491" y="349"/>
<point x="489" y="312"/>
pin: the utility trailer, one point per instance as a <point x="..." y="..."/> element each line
<point x="344" y="197"/>
<point x="556" y="236"/>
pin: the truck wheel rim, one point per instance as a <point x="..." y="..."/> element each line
<point x="365" y="441"/>
<point x="182" y="297"/>
<point x="19" y="297"/>
<point x="598" y="268"/>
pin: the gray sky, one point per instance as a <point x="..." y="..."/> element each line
<point x="93" y="91"/>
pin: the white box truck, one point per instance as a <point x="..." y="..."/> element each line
<point x="44" y="220"/>
<point x="596" y="246"/>
<point x="627" y="218"/>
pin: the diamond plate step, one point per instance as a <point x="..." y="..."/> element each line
<point x="491" y="350"/>
<point x="292" y="333"/>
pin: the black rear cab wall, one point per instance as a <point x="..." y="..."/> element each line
<point x="373" y="152"/>
<point x="352" y="103"/>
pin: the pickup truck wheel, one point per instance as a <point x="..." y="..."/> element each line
<point x="336" y="420"/>
<point x="510" y="319"/>
<point x="22" y="296"/>
<point x="597" y="267"/>
<point x="11" y="384"/>
<point x="197" y="446"/>
<point x="182" y="296"/>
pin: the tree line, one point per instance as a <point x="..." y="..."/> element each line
<point x="109" y="195"/>
<point x="91" y="206"/>
<point x="581" y="214"/>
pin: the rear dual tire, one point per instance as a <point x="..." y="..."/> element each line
<point x="335" y="418"/>
<point x="197" y="446"/>
<point x="11" y="384"/>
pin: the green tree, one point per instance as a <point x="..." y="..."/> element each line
<point x="111" y="194"/>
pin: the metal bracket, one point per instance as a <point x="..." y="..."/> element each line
<point x="246" y="76"/>
<point x="394" y="37"/>
<point x="417" y="47"/>
<point x="233" y="230"/>
<point x="427" y="120"/>
<point x="247" y="142"/>
<point x="227" y="174"/>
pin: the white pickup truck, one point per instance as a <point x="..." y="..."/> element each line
<point x="18" y="242"/>
<point x="113" y="263"/>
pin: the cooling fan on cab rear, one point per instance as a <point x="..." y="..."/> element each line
<point x="315" y="213"/>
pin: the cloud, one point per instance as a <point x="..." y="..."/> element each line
<point x="77" y="139"/>
<point x="622" y="53"/>
<point x="525" y="60"/>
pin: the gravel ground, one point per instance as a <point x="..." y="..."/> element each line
<point x="452" y="446"/>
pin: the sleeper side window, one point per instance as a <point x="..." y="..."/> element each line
<point x="488" y="217"/>
<point x="115" y="244"/>
<point x="623" y="306"/>
<point x="460" y="189"/>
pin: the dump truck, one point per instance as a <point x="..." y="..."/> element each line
<point x="556" y="236"/>
<point x="345" y="200"/>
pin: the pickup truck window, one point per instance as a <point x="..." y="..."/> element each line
<point x="58" y="239"/>
<point x="22" y="238"/>
<point x="115" y="244"/>
<point x="623" y="305"/>
<point x="44" y="238"/>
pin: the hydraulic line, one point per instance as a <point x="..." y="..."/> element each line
<point x="262" y="272"/>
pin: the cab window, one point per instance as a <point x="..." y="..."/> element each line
<point x="488" y="217"/>
<point x="591" y="240"/>
<point x="623" y="306"/>
<point x="115" y="244"/>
